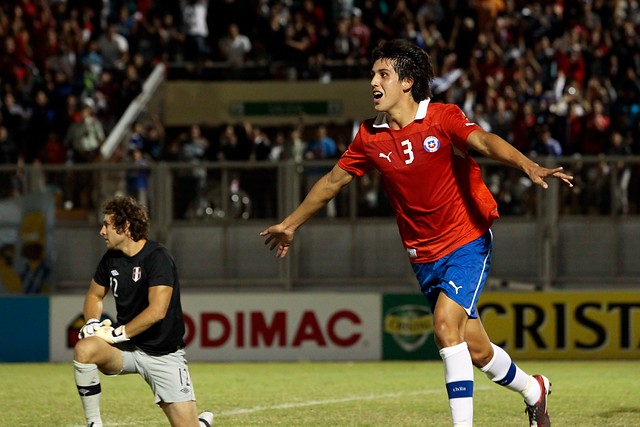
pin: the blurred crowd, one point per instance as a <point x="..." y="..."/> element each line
<point x="554" y="78"/>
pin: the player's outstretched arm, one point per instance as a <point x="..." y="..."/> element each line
<point x="281" y="235"/>
<point x="496" y="148"/>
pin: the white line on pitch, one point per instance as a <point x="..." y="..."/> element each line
<point x="328" y="402"/>
<point x="313" y="403"/>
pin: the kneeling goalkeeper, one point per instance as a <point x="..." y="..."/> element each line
<point x="148" y="340"/>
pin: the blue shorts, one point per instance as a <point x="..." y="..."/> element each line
<point x="461" y="275"/>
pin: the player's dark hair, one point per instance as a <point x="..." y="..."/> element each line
<point x="409" y="61"/>
<point x="127" y="211"/>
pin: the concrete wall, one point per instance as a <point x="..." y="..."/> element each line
<point x="213" y="103"/>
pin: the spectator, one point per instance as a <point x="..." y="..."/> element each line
<point x="138" y="177"/>
<point x="234" y="47"/>
<point x="113" y="47"/>
<point x="40" y="124"/>
<point x="322" y="147"/>
<point x="597" y="127"/>
<point x="194" y="15"/>
<point x="279" y="150"/>
<point x="502" y="120"/>
<point x="619" y="146"/>
<point x="194" y="151"/>
<point x="360" y="36"/>
<point x="8" y="157"/>
<point x="85" y="136"/>
<point x="298" y="145"/>
<point x="160" y="40"/>
<point x="127" y="23"/>
<point x="137" y="137"/>
<point x="297" y="45"/>
<point x="342" y="48"/>
<point x="54" y="152"/>
<point x="260" y="183"/>
<point x="195" y="147"/>
<point x="15" y="116"/>
<point x="172" y="40"/>
<point x="523" y="129"/>
<point x="154" y="142"/>
<point x="234" y="145"/>
<point x="547" y="145"/>
<point x="191" y="182"/>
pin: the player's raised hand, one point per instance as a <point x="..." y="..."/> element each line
<point x="539" y="173"/>
<point x="278" y="236"/>
<point x="111" y="335"/>
<point x="89" y="329"/>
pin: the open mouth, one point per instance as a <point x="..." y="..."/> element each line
<point x="377" y="95"/>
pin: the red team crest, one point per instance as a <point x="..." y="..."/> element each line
<point x="137" y="273"/>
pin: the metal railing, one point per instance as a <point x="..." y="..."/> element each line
<point x="231" y="196"/>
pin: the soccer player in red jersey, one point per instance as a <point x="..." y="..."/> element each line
<point x="444" y="213"/>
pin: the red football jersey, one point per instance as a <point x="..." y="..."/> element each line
<point x="433" y="185"/>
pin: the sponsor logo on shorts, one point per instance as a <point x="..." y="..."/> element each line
<point x="457" y="288"/>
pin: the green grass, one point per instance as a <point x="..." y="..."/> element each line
<point x="592" y="393"/>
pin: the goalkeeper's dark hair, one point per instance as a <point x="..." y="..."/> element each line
<point x="410" y="62"/>
<point x="127" y="211"/>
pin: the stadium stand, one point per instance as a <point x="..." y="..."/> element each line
<point x="526" y="70"/>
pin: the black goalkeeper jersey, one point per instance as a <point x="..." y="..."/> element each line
<point x="130" y="279"/>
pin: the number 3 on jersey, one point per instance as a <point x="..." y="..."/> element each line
<point x="408" y="150"/>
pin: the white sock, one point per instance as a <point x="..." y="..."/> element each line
<point x="205" y="419"/>
<point x="88" y="384"/>
<point x="532" y="392"/>
<point x="458" y="375"/>
<point x="502" y="371"/>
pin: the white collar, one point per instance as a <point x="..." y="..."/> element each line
<point x="382" y="119"/>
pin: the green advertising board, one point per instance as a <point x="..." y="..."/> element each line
<point x="285" y="108"/>
<point x="407" y="325"/>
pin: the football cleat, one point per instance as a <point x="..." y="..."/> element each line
<point x="538" y="415"/>
<point x="206" y="418"/>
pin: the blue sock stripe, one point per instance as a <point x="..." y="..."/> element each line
<point x="459" y="389"/>
<point x="511" y="374"/>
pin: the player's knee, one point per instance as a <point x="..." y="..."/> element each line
<point x="480" y="357"/>
<point x="86" y="350"/>
<point x="447" y="335"/>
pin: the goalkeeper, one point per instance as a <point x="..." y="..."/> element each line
<point x="147" y="339"/>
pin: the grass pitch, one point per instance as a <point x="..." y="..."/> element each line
<point x="585" y="393"/>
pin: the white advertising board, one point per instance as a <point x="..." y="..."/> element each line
<point x="256" y="327"/>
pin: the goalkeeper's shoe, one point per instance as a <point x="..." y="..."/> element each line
<point x="538" y="415"/>
<point x="206" y="419"/>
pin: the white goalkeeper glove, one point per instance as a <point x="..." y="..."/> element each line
<point x="89" y="329"/>
<point x="112" y="336"/>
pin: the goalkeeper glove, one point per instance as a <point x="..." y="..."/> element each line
<point x="90" y="328"/>
<point x="111" y="335"/>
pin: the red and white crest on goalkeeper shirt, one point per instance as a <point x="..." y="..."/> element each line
<point x="137" y="274"/>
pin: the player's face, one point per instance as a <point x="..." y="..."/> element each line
<point x="386" y="88"/>
<point x="112" y="238"/>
